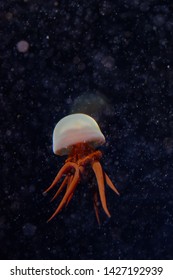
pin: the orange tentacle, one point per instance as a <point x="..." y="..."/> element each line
<point x="63" y="170"/>
<point x="81" y="170"/>
<point x="69" y="199"/>
<point x="68" y="193"/>
<point x="96" y="155"/>
<point x="64" y="183"/>
<point x="70" y="196"/>
<point x="70" y="178"/>
<point x="96" y="166"/>
<point x="110" y="184"/>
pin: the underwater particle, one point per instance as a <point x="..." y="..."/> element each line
<point x="144" y="7"/>
<point x="78" y="136"/>
<point x="159" y="20"/>
<point x="22" y="46"/>
<point x="9" y="16"/>
<point x="29" y="229"/>
<point x="108" y="62"/>
<point x="91" y="104"/>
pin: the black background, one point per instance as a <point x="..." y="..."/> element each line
<point x="112" y="60"/>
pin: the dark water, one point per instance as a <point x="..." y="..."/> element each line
<point x="113" y="61"/>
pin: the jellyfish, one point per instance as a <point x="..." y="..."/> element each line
<point x="78" y="136"/>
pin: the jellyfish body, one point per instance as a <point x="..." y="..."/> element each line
<point x="78" y="136"/>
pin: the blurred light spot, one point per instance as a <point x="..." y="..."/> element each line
<point x="76" y="60"/>
<point x="22" y="46"/>
<point x="9" y="16"/>
<point x="144" y="7"/>
<point x="108" y="62"/>
<point x="29" y="229"/>
<point x="81" y="66"/>
<point x="159" y="20"/>
<point x="91" y="104"/>
<point x="168" y="145"/>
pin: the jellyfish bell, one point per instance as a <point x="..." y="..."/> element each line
<point x="74" y="129"/>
